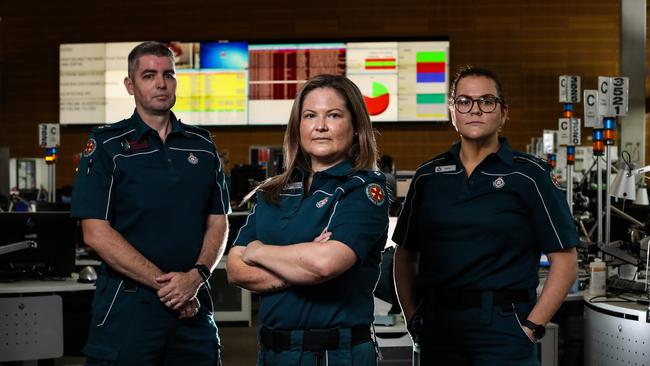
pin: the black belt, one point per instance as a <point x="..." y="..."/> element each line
<point x="312" y="340"/>
<point x="456" y="298"/>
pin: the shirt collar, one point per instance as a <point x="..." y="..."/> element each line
<point x="341" y="169"/>
<point x="504" y="153"/>
<point x="141" y="128"/>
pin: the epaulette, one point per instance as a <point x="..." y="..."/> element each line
<point x="202" y="131"/>
<point x="123" y="124"/>
<point x="433" y="161"/>
<point x="524" y="158"/>
<point x="372" y="175"/>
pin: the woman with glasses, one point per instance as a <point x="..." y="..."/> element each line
<point x="470" y="235"/>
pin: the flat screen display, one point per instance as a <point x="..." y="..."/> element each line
<point x="248" y="83"/>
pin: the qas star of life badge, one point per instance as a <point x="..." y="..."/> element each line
<point x="498" y="183"/>
<point x="375" y="194"/>
<point x="192" y="159"/>
<point x="90" y="147"/>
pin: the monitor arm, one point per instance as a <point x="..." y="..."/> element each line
<point x="14" y="247"/>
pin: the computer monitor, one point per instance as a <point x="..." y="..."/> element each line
<point x="243" y="178"/>
<point x="404" y="178"/>
<point x="53" y="233"/>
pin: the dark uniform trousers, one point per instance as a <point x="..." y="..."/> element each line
<point x="485" y="335"/>
<point x="130" y="326"/>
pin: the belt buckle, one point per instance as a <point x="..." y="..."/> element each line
<point x="323" y="338"/>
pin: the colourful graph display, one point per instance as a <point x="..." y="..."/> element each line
<point x="379" y="101"/>
<point x="387" y="63"/>
<point x="237" y="83"/>
<point x="423" y="81"/>
<point x="430" y="69"/>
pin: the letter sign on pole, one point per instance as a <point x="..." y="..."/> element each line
<point x="619" y="96"/>
<point x="603" y="96"/>
<point x="575" y="132"/>
<point x="591" y="109"/>
<point x="569" y="89"/>
<point x="564" y="131"/>
<point x="48" y="135"/>
<point x="613" y="96"/>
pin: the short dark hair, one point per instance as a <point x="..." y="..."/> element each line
<point x="147" y="48"/>
<point x="477" y="71"/>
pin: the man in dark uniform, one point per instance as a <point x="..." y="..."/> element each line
<point x="478" y="217"/>
<point x="152" y="201"/>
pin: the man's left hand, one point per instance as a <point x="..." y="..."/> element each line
<point x="529" y="333"/>
<point x="189" y="309"/>
<point x="178" y="288"/>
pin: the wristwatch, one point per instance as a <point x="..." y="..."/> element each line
<point x="204" y="271"/>
<point x="538" y="330"/>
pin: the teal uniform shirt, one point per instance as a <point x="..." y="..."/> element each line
<point x="157" y="195"/>
<point x="486" y="231"/>
<point x="353" y="206"/>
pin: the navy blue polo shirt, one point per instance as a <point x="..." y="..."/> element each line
<point x="353" y="206"/>
<point x="486" y="231"/>
<point x="157" y="195"/>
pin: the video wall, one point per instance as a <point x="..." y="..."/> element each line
<point x="240" y="83"/>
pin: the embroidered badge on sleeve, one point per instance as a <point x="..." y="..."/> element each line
<point x="375" y="194"/>
<point x="555" y="181"/>
<point x="89" y="149"/>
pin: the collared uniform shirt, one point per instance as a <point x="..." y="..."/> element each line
<point x="486" y="231"/>
<point x="353" y="206"/>
<point x="157" y="195"/>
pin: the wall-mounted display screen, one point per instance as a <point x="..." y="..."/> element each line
<point x="240" y="83"/>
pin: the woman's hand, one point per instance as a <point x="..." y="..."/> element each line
<point x="251" y="249"/>
<point x="323" y="237"/>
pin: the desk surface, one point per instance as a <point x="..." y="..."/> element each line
<point x="625" y="304"/>
<point x="36" y="286"/>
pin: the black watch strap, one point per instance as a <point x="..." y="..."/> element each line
<point x="538" y="330"/>
<point x="204" y="271"/>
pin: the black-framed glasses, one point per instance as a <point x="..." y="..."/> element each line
<point x="486" y="103"/>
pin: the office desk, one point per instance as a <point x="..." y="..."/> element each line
<point x="616" y="332"/>
<point x="44" y="286"/>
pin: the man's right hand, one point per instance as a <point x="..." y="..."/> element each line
<point x="178" y="288"/>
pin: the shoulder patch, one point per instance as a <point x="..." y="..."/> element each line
<point x="90" y="147"/>
<point x="375" y="194"/>
<point x="556" y="183"/>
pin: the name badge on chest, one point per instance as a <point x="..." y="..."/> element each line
<point x="445" y="168"/>
<point x="293" y="186"/>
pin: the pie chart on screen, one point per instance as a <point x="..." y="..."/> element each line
<point x="379" y="100"/>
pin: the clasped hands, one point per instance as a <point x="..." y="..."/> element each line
<point x="178" y="292"/>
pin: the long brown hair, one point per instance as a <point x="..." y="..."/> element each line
<point x="363" y="152"/>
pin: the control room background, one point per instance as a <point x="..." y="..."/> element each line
<point x="529" y="44"/>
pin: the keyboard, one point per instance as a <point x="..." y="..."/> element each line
<point x="616" y="283"/>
